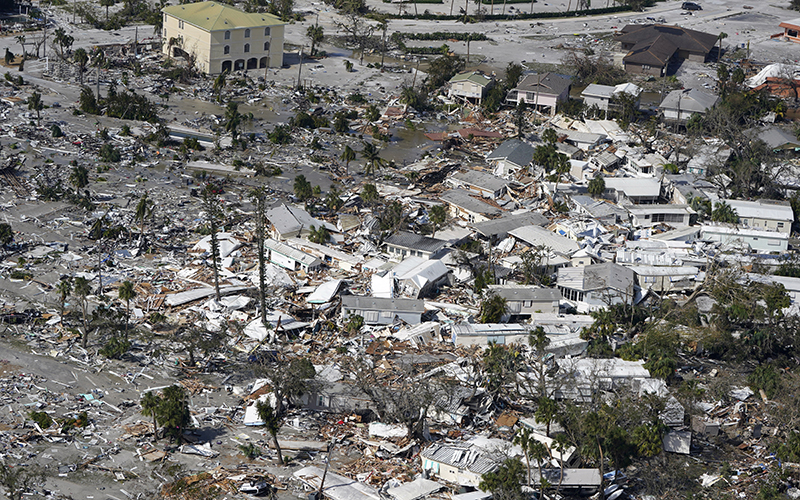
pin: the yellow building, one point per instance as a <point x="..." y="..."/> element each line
<point x="222" y="38"/>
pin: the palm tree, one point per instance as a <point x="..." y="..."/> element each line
<point x="81" y="58"/>
<point x="144" y="209"/>
<point x="372" y="159"/>
<point x="232" y="119"/>
<point x="64" y="288"/>
<point x="35" y="104"/>
<point x="721" y="37"/>
<point x="724" y="213"/>
<point x="539" y="452"/>
<point x="258" y="196"/>
<point x="127" y="293"/>
<point x="561" y="444"/>
<point x="219" y="84"/>
<point x="437" y="215"/>
<point x="212" y="206"/>
<point x="150" y="403"/>
<point x="348" y="155"/>
<point x="79" y="177"/>
<point x="107" y="4"/>
<point x="82" y="290"/>
<point x="597" y="186"/>
<point x="523" y="439"/>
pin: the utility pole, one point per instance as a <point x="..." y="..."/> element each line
<point x="300" y="70"/>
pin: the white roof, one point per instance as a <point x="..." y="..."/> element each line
<point x="633" y="186"/>
<point x="416" y="489"/>
<point x="535" y="235"/>
<point x="336" y="487"/>
<point x="741" y="231"/>
<point x="665" y="270"/>
<point x="761" y="209"/>
<point x="292" y="253"/>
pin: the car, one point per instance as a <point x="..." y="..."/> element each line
<point x="256" y="488"/>
<point x="691" y="6"/>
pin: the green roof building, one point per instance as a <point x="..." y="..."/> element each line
<point x="470" y="85"/>
<point x="219" y="38"/>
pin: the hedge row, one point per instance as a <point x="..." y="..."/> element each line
<point x="427" y="16"/>
<point x="445" y="35"/>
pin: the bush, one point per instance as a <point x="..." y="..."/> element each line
<point x="115" y="348"/>
<point x="765" y="378"/>
<point x="250" y="450"/>
<point x="281" y="134"/>
<point x="42" y="419"/>
<point x="56" y="131"/>
<point x="109" y="153"/>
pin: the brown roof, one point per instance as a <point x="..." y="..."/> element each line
<point x="656" y="53"/>
<point x="655" y="41"/>
<point x="780" y="87"/>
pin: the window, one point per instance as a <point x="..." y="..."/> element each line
<point x="227" y="35"/>
<point x="370" y="316"/>
<point x="645" y="67"/>
<point x="266" y="31"/>
<point x="247" y="33"/>
<point x="247" y="47"/>
<point x="780" y="224"/>
<point x="227" y="49"/>
<point x="320" y="400"/>
<point x="266" y="46"/>
<point x="667" y="217"/>
<point x="180" y="24"/>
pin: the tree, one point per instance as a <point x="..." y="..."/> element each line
<point x="107" y="4"/>
<point x="355" y="26"/>
<point x="194" y="337"/>
<point x="319" y="235"/>
<point x="82" y="290"/>
<point x="214" y="215"/>
<point x="500" y="365"/>
<point x="550" y="136"/>
<point x="524" y="440"/>
<point x="64" y="289"/>
<point x="372" y="159"/>
<point x="369" y="193"/>
<point x="520" y="120"/>
<point x="233" y="119"/>
<point x="6" y="234"/>
<point x="493" y="308"/>
<point x="79" y="177"/>
<point x="18" y="479"/>
<point x="437" y="216"/>
<point x="505" y="483"/>
<point x="273" y="424"/>
<point x="348" y="155"/>
<point x="258" y="195"/>
<point x="315" y="35"/>
<point x="63" y="41"/>
<point x="546" y="412"/>
<point x="173" y="412"/>
<point x="597" y="186"/>
<point x="81" y="58"/>
<point x="561" y="444"/>
<point x="648" y="438"/>
<point x="302" y="188"/>
<point x="404" y="397"/>
<point x="149" y="406"/>
<point x="513" y="73"/>
<point x="144" y="209"/>
<point x="127" y="293"/>
<point x="35" y="104"/>
<point x="724" y="213"/>
<point x="533" y="265"/>
<point x="9" y="57"/>
<point x="442" y="69"/>
<point x="721" y="37"/>
<point x="219" y="85"/>
<point x="288" y="378"/>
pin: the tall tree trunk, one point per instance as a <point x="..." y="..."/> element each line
<point x="215" y="258"/>
<point x="277" y="448"/>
